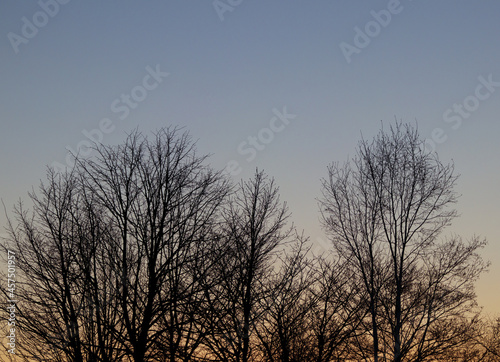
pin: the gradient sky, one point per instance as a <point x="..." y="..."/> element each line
<point x="232" y="67"/>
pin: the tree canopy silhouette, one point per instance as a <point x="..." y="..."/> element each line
<point x="385" y="213"/>
<point x="143" y="252"/>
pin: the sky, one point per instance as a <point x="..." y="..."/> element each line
<point x="284" y="86"/>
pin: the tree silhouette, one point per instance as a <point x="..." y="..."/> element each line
<point x="254" y="227"/>
<point x="384" y="213"/>
<point x="111" y="258"/>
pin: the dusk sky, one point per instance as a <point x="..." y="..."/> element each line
<point x="285" y="86"/>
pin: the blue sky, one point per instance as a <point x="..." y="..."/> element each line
<point x="234" y="64"/>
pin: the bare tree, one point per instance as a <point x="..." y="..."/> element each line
<point x="58" y="247"/>
<point x="283" y="327"/>
<point x="482" y="344"/>
<point x="336" y="312"/>
<point x="113" y="256"/>
<point x="489" y="340"/>
<point x="384" y="213"/>
<point x="254" y="228"/>
<point x="163" y="201"/>
<point x="315" y="310"/>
